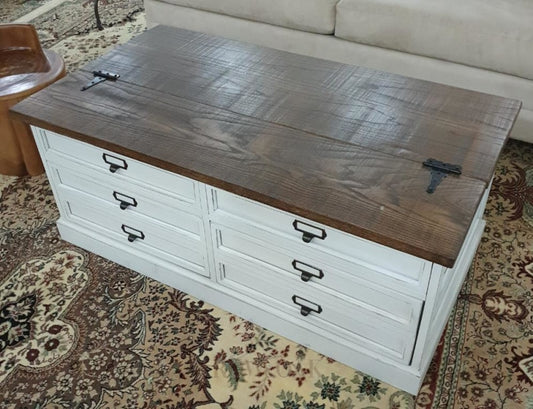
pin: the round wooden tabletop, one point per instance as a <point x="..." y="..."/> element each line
<point x="24" y="72"/>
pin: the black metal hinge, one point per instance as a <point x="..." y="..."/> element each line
<point x="439" y="170"/>
<point x="100" y="76"/>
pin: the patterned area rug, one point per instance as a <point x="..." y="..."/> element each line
<point x="78" y="50"/>
<point x="11" y="10"/>
<point x="485" y="358"/>
<point x="76" y="17"/>
<point x="78" y="331"/>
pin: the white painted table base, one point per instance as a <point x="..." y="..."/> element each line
<point x="383" y="311"/>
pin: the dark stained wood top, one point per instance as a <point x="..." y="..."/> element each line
<point x="338" y="144"/>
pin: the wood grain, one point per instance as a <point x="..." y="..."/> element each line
<point x="371" y="194"/>
<point x="24" y="66"/>
<point x="380" y="111"/>
<point x="253" y="133"/>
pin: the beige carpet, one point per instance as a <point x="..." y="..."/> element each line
<point x="77" y="331"/>
<point x="11" y="10"/>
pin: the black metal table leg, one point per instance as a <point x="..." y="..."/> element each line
<point x="97" y="16"/>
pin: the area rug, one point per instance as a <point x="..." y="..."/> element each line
<point x="79" y="49"/>
<point x="75" y="17"/>
<point x="78" y="331"/>
<point x="485" y="358"/>
<point x="10" y="10"/>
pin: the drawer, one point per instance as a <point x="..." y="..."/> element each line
<point x="307" y="233"/>
<point x="366" y="261"/>
<point x="385" y="301"/>
<point x="121" y="166"/>
<point x="76" y="173"/>
<point x="330" y="314"/>
<point x="129" y="197"/>
<point x="175" y="245"/>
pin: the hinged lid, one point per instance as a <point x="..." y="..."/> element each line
<point x="334" y="143"/>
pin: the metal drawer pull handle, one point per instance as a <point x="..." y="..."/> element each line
<point x="309" y="231"/>
<point x="125" y="200"/>
<point x="133" y="234"/>
<point x="307" y="275"/>
<point x="113" y="165"/>
<point x="306" y="309"/>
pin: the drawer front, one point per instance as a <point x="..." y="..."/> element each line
<point x="76" y="173"/>
<point x="255" y="220"/>
<point x="129" y="198"/>
<point x="123" y="167"/>
<point x="328" y="313"/>
<point x="141" y="232"/>
<point x="315" y="273"/>
<point x="330" y="241"/>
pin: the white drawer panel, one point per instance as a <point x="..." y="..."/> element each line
<point x="132" y="198"/>
<point x="338" y="316"/>
<point x="136" y="171"/>
<point x="351" y="267"/>
<point x="176" y="243"/>
<point x="386" y="302"/>
<point x="336" y="243"/>
<point x="79" y="172"/>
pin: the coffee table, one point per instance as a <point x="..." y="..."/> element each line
<point x="336" y="205"/>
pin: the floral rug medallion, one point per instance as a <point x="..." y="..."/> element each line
<point x="78" y="332"/>
<point x="264" y="370"/>
<point x="33" y="300"/>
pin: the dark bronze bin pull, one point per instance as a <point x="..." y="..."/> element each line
<point x="305" y="309"/>
<point x="310" y="233"/>
<point x="133" y="234"/>
<point x="113" y="165"/>
<point x="125" y="200"/>
<point x="307" y="275"/>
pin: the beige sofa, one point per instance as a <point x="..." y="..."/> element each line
<point x="484" y="45"/>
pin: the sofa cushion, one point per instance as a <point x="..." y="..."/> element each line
<point x="492" y="34"/>
<point x="316" y="16"/>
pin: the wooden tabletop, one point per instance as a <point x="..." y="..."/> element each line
<point x="338" y="144"/>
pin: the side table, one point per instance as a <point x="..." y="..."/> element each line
<point x="25" y="68"/>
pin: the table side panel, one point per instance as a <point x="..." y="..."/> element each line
<point x="366" y="319"/>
